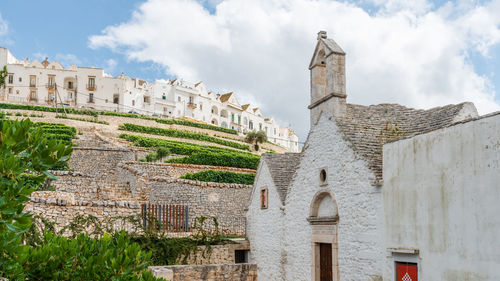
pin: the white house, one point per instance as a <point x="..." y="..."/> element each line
<point x="49" y="83"/>
<point x="319" y="214"/>
<point x="441" y="192"/>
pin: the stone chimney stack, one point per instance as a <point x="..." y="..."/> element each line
<point x="327" y="68"/>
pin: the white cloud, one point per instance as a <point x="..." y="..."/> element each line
<point x="409" y="52"/>
<point x="110" y="66"/>
<point x="67" y="60"/>
<point x="4" y="26"/>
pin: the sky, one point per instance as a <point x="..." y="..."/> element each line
<point x="418" y="53"/>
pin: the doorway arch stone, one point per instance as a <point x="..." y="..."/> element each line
<point x="323" y="217"/>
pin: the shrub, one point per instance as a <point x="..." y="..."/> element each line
<point x="48" y="109"/>
<point x="158" y="155"/>
<point x="26" y="155"/>
<point x="197" y="125"/>
<point x="82" y="119"/>
<point x="84" y="258"/>
<point x="221" y="176"/>
<point x="181" y="134"/>
<point x="177" y="147"/>
<point x="219" y="159"/>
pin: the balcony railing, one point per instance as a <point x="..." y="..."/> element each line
<point x="191" y="105"/>
<point x="91" y="87"/>
<point x="33" y="85"/>
<point x="51" y="86"/>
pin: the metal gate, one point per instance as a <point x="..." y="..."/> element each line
<point x="165" y="217"/>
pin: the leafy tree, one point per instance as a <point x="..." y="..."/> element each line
<point x="255" y="138"/>
<point x="3" y="75"/>
<point x="26" y="156"/>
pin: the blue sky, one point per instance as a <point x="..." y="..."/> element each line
<point x="222" y="52"/>
<point x="63" y="28"/>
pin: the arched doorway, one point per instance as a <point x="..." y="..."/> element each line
<point x="323" y="217"/>
<point x="214" y="122"/>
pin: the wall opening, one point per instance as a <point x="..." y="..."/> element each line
<point x="240" y="256"/>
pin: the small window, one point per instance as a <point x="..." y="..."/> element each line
<point x="70" y="85"/>
<point x="133" y="102"/>
<point x="20" y="79"/>
<point x="116" y="98"/>
<point x="323" y="179"/>
<point x="201" y="106"/>
<point x="178" y="98"/>
<point x="164" y="97"/>
<point x="264" y="198"/>
<point x="10" y="90"/>
<point x="11" y="78"/>
<point x="91" y="97"/>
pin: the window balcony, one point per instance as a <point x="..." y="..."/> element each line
<point x="91" y="87"/>
<point x="191" y="105"/>
<point x="51" y="86"/>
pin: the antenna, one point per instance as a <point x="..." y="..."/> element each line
<point x="57" y="95"/>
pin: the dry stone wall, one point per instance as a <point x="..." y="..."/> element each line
<point x="219" y="272"/>
<point x="101" y="176"/>
<point x="63" y="207"/>
<point x="219" y="254"/>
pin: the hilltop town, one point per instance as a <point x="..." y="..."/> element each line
<point x="50" y="84"/>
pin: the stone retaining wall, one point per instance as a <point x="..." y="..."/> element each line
<point x="220" y="254"/>
<point x="62" y="207"/>
<point x="219" y="272"/>
<point x="176" y="170"/>
<point x="226" y="202"/>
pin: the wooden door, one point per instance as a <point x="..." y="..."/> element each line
<point x="325" y="262"/>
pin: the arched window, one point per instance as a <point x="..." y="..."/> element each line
<point x="323" y="208"/>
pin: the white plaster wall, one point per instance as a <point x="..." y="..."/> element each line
<point x="359" y="203"/>
<point x="264" y="229"/>
<point x="441" y="196"/>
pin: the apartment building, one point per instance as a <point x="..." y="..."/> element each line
<point x="49" y="83"/>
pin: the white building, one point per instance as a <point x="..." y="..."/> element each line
<point x="44" y="83"/>
<point x="441" y="192"/>
<point x="319" y="214"/>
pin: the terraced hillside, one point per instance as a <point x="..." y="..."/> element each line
<point x="113" y="124"/>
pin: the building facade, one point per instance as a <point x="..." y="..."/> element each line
<point x="49" y="83"/>
<point x="441" y="192"/>
<point x="319" y="214"/>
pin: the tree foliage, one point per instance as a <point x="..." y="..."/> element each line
<point x="3" y="75"/>
<point x="26" y="156"/>
<point x="256" y="138"/>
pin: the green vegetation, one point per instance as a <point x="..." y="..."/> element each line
<point x="219" y="159"/>
<point x="110" y="113"/>
<point x="82" y="119"/>
<point x="197" y="125"/>
<point x="56" y="131"/>
<point x="221" y="176"/>
<point x="3" y="75"/>
<point x="47" y="109"/>
<point x="25" y="150"/>
<point x="256" y="138"/>
<point x="177" y="147"/>
<point x="157" y="155"/>
<point x="199" y="154"/>
<point x="181" y="134"/>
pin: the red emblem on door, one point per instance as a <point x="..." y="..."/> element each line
<point x="406" y="271"/>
